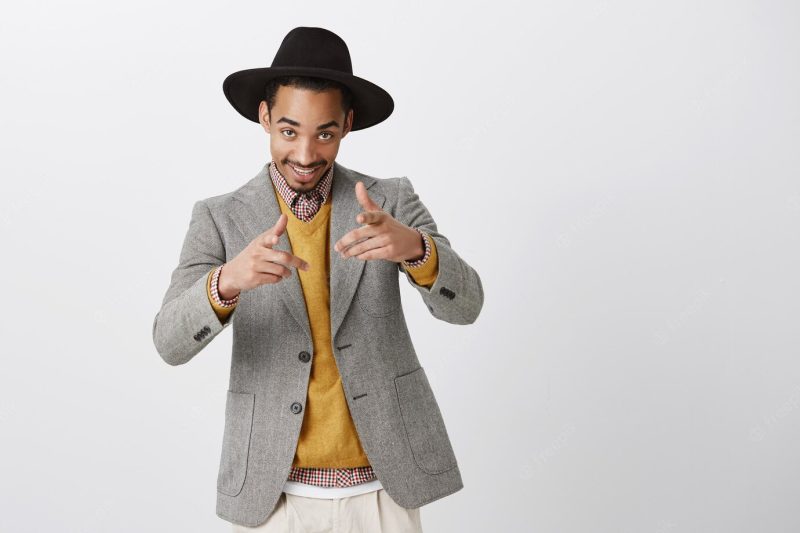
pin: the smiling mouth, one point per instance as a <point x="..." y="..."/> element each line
<point x="303" y="171"/>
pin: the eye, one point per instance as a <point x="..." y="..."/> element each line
<point x="329" y="135"/>
<point x="287" y="131"/>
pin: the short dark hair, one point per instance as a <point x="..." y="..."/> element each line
<point x="306" y="82"/>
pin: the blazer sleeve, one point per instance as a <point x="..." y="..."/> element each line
<point x="186" y="322"/>
<point x="456" y="295"/>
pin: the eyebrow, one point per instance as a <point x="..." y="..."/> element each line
<point x="331" y="124"/>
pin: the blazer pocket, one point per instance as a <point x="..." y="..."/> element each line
<point x="235" y="442"/>
<point x="423" y="423"/>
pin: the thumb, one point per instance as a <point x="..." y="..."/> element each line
<point x="364" y="199"/>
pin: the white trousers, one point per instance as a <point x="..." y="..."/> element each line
<point x="372" y="512"/>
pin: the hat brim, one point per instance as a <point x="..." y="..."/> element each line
<point x="245" y="90"/>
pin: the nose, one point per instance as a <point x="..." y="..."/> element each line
<point x="305" y="153"/>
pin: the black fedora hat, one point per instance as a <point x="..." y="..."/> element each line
<point x="315" y="52"/>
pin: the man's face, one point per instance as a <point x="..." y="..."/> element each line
<point x="305" y="128"/>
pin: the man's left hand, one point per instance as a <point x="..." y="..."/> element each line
<point x="381" y="236"/>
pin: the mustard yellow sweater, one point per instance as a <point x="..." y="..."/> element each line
<point x="328" y="437"/>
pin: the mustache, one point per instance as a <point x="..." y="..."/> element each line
<point x="314" y="166"/>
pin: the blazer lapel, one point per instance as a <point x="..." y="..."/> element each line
<point x="345" y="273"/>
<point x="259" y="210"/>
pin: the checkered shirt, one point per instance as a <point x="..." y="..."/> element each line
<point x="332" y="477"/>
<point x="306" y="204"/>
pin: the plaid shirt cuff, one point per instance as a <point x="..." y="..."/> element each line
<point x="419" y="262"/>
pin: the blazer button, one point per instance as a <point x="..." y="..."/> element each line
<point x="304" y="356"/>
<point x="296" y="407"/>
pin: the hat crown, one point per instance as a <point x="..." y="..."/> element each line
<point x="315" y="48"/>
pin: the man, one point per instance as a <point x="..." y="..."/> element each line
<point x="330" y="421"/>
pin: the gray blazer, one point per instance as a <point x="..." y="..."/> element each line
<point x="390" y="399"/>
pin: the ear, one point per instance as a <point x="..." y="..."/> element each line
<point x="348" y="123"/>
<point x="263" y="115"/>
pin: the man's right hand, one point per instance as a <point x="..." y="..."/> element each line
<point x="258" y="263"/>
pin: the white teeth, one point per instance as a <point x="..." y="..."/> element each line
<point x="303" y="172"/>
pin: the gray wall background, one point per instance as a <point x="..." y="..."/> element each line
<point x="623" y="175"/>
